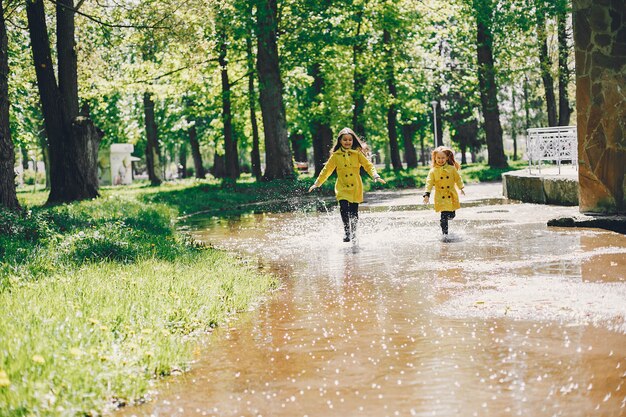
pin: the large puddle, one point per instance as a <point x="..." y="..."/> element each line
<point x="510" y="318"/>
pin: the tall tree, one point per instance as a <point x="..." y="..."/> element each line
<point x="410" y="153"/>
<point x="483" y="11"/>
<point x="545" y="65"/>
<point x="73" y="138"/>
<point x="153" y="151"/>
<point x="392" y="110"/>
<point x="230" y="143"/>
<point x="278" y="160"/>
<point x="255" y="155"/>
<point x="321" y="131"/>
<point x="8" y="197"/>
<point x="359" y="74"/>
<point x="195" y="152"/>
<point x="565" y="110"/>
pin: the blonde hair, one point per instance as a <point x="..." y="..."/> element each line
<point x="449" y="156"/>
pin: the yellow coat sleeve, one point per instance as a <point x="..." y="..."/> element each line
<point x="458" y="180"/>
<point x="367" y="165"/>
<point x="328" y="169"/>
<point x="430" y="180"/>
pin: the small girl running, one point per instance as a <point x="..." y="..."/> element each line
<point x="443" y="176"/>
<point x="347" y="157"/>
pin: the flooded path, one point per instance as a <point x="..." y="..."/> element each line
<point x="511" y="318"/>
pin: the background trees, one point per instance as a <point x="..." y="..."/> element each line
<point x="185" y="83"/>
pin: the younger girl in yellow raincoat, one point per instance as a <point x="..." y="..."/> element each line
<point x="443" y="177"/>
<point x="347" y="157"/>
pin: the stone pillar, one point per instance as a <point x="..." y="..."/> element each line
<point x="600" y="45"/>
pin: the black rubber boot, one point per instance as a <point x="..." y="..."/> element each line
<point x="444" y="224"/>
<point x="346" y="232"/>
<point x="354" y="221"/>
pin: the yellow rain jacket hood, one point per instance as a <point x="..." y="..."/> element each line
<point x="348" y="163"/>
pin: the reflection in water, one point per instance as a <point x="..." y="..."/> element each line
<point x="509" y="319"/>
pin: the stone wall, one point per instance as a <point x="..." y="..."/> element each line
<point x="600" y="45"/>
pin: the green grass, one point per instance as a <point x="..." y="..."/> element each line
<point x="100" y="297"/>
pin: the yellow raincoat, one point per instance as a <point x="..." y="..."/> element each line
<point x="348" y="163"/>
<point x="443" y="179"/>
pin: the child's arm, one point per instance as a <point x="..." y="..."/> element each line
<point x="430" y="181"/>
<point x="459" y="181"/>
<point x="328" y="169"/>
<point x="370" y="168"/>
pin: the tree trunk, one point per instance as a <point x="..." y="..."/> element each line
<point x="230" y="144"/>
<point x="439" y="120"/>
<point x="45" y="153"/>
<point x="514" y="124"/>
<point x="487" y="83"/>
<point x="73" y="139"/>
<point x="545" y="65"/>
<point x="463" y="149"/>
<point x="422" y="149"/>
<point x="410" y="154"/>
<point x="392" y="111"/>
<point x="322" y="144"/>
<point x="279" y="163"/>
<point x="298" y="147"/>
<point x="358" y="96"/>
<point x="219" y="166"/>
<point x="24" y="153"/>
<point x="321" y="131"/>
<point x="526" y="105"/>
<point x="8" y="195"/>
<point x="195" y="153"/>
<point x="153" y="154"/>
<point x="255" y="157"/>
<point x="182" y="160"/>
<point x="66" y="55"/>
<point x="565" y="110"/>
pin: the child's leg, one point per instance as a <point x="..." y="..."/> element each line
<point x="445" y="215"/>
<point x="344" y="210"/>
<point x="354" y="217"/>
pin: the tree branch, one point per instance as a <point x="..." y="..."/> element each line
<point x="100" y="22"/>
<point x="174" y="71"/>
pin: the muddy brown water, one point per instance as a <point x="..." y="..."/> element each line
<point x="510" y="318"/>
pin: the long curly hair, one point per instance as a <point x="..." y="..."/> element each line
<point x="449" y="154"/>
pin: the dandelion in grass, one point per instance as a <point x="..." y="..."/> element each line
<point x="38" y="359"/>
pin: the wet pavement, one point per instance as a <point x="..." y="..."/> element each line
<point x="509" y="318"/>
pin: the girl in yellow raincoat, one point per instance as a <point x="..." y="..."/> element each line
<point x="347" y="157"/>
<point x="443" y="177"/>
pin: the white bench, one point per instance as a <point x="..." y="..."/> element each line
<point x="552" y="144"/>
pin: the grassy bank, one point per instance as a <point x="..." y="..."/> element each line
<point x="100" y="297"/>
